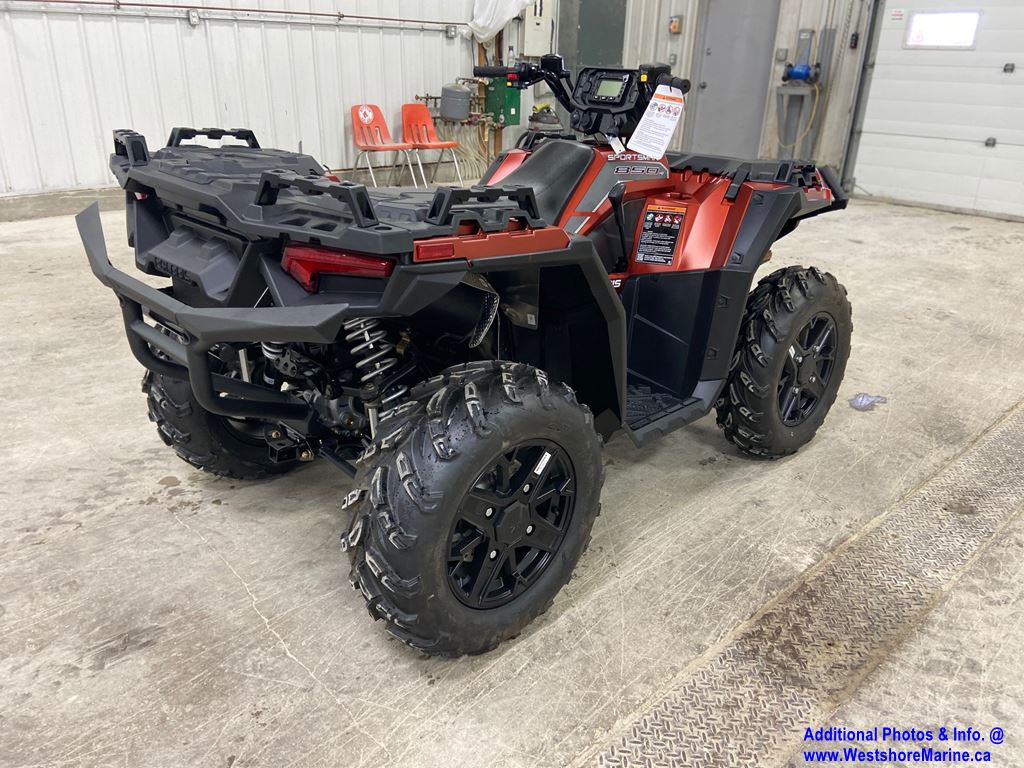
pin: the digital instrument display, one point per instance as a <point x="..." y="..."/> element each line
<point x="609" y="88"/>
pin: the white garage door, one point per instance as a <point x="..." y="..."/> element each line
<point x="948" y="78"/>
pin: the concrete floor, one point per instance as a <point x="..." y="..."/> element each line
<point x="150" y="615"/>
<point x="963" y="666"/>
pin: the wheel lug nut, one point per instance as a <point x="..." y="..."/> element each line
<point x="529" y="530"/>
<point x="489" y="512"/>
<point x="494" y="554"/>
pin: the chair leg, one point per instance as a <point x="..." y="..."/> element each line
<point x="419" y="162"/>
<point x="412" y="172"/>
<point x="394" y="167"/>
<point x="437" y="164"/>
<point x="458" y="173"/>
<point x="369" y="165"/>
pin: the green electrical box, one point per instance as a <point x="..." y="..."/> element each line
<point x="501" y="102"/>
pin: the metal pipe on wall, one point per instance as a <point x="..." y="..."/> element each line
<point x="47" y="6"/>
<point x="78" y="69"/>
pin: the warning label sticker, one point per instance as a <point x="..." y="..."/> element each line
<point x="660" y="234"/>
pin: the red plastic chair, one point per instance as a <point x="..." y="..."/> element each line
<point x="370" y="134"/>
<point x="419" y="132"/>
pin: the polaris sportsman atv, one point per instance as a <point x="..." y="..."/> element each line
<point x="461" y="353"/>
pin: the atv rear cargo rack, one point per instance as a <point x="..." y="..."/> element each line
<point x="133" y="146"/>
<point x="348" y="192"/>
<point x="264" y="194"/>
<point x="179" y="135"/>
<point x="446" y="198"/>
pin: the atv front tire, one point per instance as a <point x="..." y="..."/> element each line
<point x="210" y="442"/>
<point x="790" y="359"/>
<point x="473" y="506"/>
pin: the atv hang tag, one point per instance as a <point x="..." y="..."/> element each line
<point x="657" y="126"/>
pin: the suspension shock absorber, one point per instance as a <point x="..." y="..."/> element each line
<point x="274" y="352"/>
<point x="374" y="358"/>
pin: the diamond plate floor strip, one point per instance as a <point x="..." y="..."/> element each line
<point x="793" y="663"/>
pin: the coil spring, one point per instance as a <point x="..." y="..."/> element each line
<point x="368" y="342"/>
<point x="273" y="350"/>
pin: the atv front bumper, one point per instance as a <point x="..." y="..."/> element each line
<point x="185" y="355"/>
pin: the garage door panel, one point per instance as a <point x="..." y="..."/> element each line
<point x="972" y="58"/>
<point x="948" y="77"/>
<point x="937" y="129"/>
<point x="955" y="156"/>
<point x="963" y="133"/>
<point x="1001" y="188"/>
<point x="929" y="113"/>
<point x="913" y="91"/>
<point x="969" y="181"/>
<point x="1000" y="196"/>
<point x="1006" y="163"/>
<point x="880" y="182"/>
<point x="1007" y="206"/>
<point x="1004" y="116"/>
<point x="944" y="172"/>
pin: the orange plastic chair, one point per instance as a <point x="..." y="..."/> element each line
<point x="370" y="134"/>
<point x="419" y="132"/>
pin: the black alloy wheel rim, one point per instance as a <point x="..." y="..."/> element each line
<point x="511" y="524"/>
<point x="807" y="370"/>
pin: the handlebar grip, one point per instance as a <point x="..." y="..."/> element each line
<point x="675" y="82"/>
<point x="485" y="71"/>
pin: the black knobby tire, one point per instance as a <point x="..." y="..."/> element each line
<point x="206" y="440"/>
<point x="413" y="486"/>
<point x="759" y="411"/>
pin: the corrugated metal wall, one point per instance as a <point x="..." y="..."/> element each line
<point x="835" y="111"/>
<point x="72" y="73"/>
<point x="647" y="39"/>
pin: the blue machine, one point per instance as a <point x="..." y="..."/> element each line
<point x="802" y="72"/>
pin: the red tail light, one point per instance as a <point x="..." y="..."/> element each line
<point x="306" y="263"/>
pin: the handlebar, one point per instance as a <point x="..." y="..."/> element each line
<point x="487" y="71"/>
<point x="589" y="117"/>
<point x="674" y="82"/>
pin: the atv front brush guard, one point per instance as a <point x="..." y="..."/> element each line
<point x="201" y="329"/>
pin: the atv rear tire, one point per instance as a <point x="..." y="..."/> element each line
<point x="462" y="531"/>
<point x="210" y="442"/>
<point x="790" y="359"/>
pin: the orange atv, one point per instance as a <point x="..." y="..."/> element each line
<point x="462" y="352"/>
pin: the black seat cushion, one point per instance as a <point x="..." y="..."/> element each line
<point x="554" y="170"/>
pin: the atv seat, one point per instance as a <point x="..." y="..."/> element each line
<point x="554" y="170"/>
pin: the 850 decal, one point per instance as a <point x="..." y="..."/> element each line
<point x="650" y="169"/>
